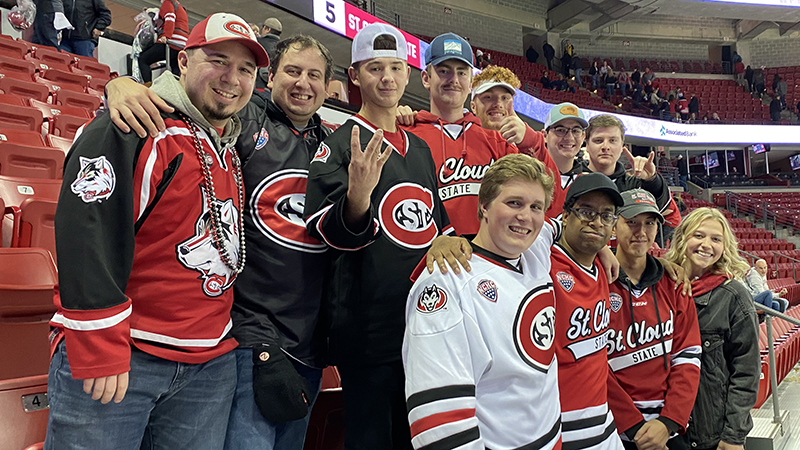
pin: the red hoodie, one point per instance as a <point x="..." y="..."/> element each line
<point x="462" y="152"/>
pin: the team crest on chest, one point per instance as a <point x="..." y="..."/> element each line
<point x="616" y="301"/>
<point x="534" y="328"/>
<point x="406" y="215"/>
<point x="200" y="253"/>
<point x="95" y="181"/>
<point x="565" y="280"/>
<point x="261" y="138"/>
<point x="322" y="154"/>
<point x="488" y="290"/>
<point x="432" y="299"/>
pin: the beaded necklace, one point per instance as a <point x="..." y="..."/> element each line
<point x="208" y="183"/>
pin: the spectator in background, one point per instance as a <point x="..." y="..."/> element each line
<point x="736" y="58"/>
<point x="683" y="107"/>
<point x="256" y="29"/>
<point x="611" y="82"/>
<point x="683" y="171"/>
<point x="738" y="70"/>
<point x="270" y="35"/>
<point x="604" y="70"/>
<point x="547" y="83"/>
<point x="173" y="30"/>
<point x="759" y="85"/>
<point x="531" y="55"/>
<point x="756" y="282"/>
<point x="577" y="66"/>
<point x="81" y="21"/>
<point x="487" y="60"/>
<point x="648" y="76"/>
<point x="715" y="118"/>
<point x="655" y="101"/>
<point x="775" y="108"/>
<point x="694" y="106"/>
<point x="798" y="112"/>
<point x="594" y="71"/>
<point x="549" y="54"/>
<point x="749" y="74"/>
<point x="566" y="63"/>
<point x="636" y="76"/>
<point x="781" y="90"/>
<point x="624" y="82"/>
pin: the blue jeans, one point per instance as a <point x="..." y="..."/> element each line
<point x="247" y="428"/>
<point x="624" y="88"/>
<point x="578" y="77"/>
<point x="81" y="47"/>
<point x="595" y="81"/>
<point x="44" y="32"/>
<point x="765" y="298"/>
<point x="682" y="179"/>
<point x="610" y="89"/>
<point x="168" y="405"/>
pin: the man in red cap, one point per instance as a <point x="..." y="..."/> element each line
<point x="145" y="295"/>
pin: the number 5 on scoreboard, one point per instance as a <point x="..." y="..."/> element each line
<point x="330" y="14"/>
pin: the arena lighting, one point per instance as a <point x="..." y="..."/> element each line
<point x="680" y="133"/>
<point x="785" y="3"/>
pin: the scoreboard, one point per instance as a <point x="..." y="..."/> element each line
<point x="347" y="20"/>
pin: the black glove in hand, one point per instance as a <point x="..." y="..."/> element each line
<point x="281" y="394"/>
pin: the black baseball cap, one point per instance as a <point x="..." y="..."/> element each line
<point x="449" y="46"/>
<point x="590" y="182"/>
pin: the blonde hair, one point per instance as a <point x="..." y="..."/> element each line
<point x="729" y="262"/>
<point x="496" y="73"/>
<point x="511" y="167"/>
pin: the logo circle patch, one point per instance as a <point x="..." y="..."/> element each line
<point x="406" y="215"/>
<point x="238" y="28"/>
<point x="534" y="328"/>
<point x="616" y="301"/>
<point x="277" y="210"/>
<point x="432" y="299"/>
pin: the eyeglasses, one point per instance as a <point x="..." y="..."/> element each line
<point x="577" y="132"/>
<point x="587" y="215"/>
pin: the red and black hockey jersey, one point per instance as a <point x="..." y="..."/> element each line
<point x="582" y="312"/>
<point x="479" y="354"/>
<point x="174" y="24"/>
<point x="370" y="268"/>
<point x="653" y="336"/>
<point x="137" y="262"/>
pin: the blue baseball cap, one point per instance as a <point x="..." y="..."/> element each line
<point x="449" y="46"/>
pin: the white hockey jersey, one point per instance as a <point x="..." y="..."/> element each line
<point x="479" y="354"/>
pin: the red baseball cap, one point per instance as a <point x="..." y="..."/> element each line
<point x="222" y="27"/>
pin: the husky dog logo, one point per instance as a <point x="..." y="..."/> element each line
<point x="199" y="253"/>
<point x="432" y="299"/>
<point x="565" y="280"/>
<point x="488" y="290"/>
<point x="95" y="181"/>
<point x="616" y="301"/>
<point x="261" y="139"/>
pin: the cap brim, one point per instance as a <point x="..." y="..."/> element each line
<point x="614" y="194"/>
<point x="583" y="122"/>
<point x="633" y="211"/>
<point x="441" y="59"/>
<point x="486" y="86"/>
<point x="262" y="58"/>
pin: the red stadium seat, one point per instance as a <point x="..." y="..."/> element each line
<point x="58" y="142"/>
<point x="13" y="49"/>
<point x="93" y="68"/>
<point x="54" y="59"/>
<point x="19" y="192"/>
<point x="20" y="117"/>
<point x="24" y="137"/>
<point x="11" y="99"/>
<point x="65" y="125"/>
<point x="23" y="411"/>
<point x="31" y="162"/>
<point x="20" y="69"/>
<point x="24" y="89"/>
<point x="67" y="80"/>
<point x="326" y="424"/>
<point x="79" y="100"/>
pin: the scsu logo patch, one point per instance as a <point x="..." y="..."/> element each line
<point x="488" y="290"/>
<point x="322" y="154"/>
<point x="565" y="280"/>
<point x="406" y="216"/>
<point x="277" y="210"/>
<point x="534" y="328"/>
<point x="616" y="301"/>
<point x="261" y="138"/>
<point x="95" y="181"/>
<point x="432" y="299"/>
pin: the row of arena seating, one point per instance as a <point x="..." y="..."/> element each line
<point x="674" y="66"/>
<point x="786" y="346"/>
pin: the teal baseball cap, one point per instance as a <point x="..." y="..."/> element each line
<point x="563" y="111"/>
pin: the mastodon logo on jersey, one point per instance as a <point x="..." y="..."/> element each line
<point x="616" y="301"/>
<point x="534" y="328"/>
<point x="198" y="252"/>
<point x="406" y="215"/>
<point x="565" y="280"/>
<point x="276" y="208"/>
<point x="95" y="181"/>
<point x="432" y="299"/>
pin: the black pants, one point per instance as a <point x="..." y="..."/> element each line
<point x="153" y="54"/>
<point x="375" y="407"/>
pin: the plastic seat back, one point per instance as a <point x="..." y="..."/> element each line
<point x="65" y="125"/>
<point x="67" y="80"/>
<point x="22" y="117"/>
<point x="59" y="142"/>
<point x="24" y="89"/>
<point x="17" y="68"/>
<point x="78" y="99"/>
<point x="23" y="411"/>
<point x="37" y="225"/>
<point x="31" y="162"/>
<point x="13" y="49"/>
<point x="54" y="59"/>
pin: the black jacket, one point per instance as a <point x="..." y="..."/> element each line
<point x="730" y="368"/>
<point x="548" y="50"/>
<point x="278" y="296"/>
<point x="85" y="16"/>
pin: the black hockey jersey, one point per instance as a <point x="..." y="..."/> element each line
<point x="370" y="268"/>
